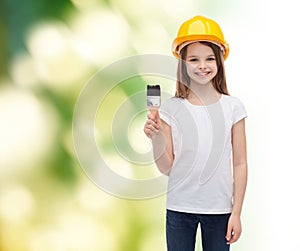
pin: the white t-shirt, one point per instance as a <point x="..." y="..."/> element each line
<point x="201" y="179"/>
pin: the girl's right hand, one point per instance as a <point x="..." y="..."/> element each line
<point x="152" y="125"/>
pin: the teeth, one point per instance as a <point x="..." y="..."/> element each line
<point x="202" y="73"/>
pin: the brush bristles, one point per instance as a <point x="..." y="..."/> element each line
<point x="153" y="96"/>
<point x="153" y="90"/>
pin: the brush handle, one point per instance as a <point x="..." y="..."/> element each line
<point x="154" y="112"/>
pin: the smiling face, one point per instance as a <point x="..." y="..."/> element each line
<point x="190" y="72"/>
<point x="201" y="63"/>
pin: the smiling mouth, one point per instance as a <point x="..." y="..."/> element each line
<point x="202" y="74"/>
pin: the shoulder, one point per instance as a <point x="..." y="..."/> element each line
<point x="170" y="108"/>
<point x="171" y="104"/>
<point x="173" y="100"/>
<point x="235" y="107"/>
<point x="233" y="100"/>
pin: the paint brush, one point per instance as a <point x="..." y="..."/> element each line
<point x="153" y="98"/>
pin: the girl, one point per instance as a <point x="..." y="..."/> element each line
<point x="199" y="140"/>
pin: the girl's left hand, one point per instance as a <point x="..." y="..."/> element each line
<point x="234" y="229"/>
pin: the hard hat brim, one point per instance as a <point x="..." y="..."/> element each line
<point x="181" y="42"/>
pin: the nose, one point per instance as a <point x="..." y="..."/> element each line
<point x="201" y="64"/>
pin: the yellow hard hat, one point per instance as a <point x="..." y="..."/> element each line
<point x="199" y="28"/>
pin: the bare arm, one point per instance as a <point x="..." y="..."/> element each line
<point x="161" y="135"/>
<point x="239" y="156"/>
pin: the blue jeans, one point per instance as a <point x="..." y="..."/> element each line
<point x="182" y="228"/>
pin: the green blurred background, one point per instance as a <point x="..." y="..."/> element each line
<point x="49" y="49"/>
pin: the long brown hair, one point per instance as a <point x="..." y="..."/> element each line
<point x="183" y="80"/>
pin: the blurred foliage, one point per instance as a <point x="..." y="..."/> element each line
<point x="56" y="202"/>
<point x="49" y="49"/>
<point x="17" y="16"/>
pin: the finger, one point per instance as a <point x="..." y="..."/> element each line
<point x="151" y="123"/>
<point x="234" y="237"/>
<point x="154" y="128"/>
<point x="151" y="117"/>
<point x="146" y="131"/>
<point x="150" y="130"/>
<point x="155" y="119"/>
<point x="151" y="120"/>
<point x="151" y="126"/>
<point x="229" y="233"/>
<point x="155" y="114"/>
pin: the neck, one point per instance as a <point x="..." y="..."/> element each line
<point x="203" y="94"/>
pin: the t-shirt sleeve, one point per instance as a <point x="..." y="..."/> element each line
<point x="239" y="111"/>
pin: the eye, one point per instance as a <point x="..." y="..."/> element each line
<point x="193" y="60"/>
<point x="210" y="59"/>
